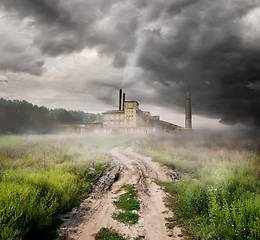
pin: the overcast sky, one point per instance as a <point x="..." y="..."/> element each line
<point x="76" y="54"/>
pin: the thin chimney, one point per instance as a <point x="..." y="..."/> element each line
<point x="188" y="124"/>
<point x="123" y="101"/>
<point x="120" y="99"/>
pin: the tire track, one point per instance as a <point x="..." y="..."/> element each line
<point x="152" y="211"/>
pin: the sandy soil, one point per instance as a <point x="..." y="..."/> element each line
<point x="96" y="211"/>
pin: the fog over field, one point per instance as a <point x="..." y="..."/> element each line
<point x="77" y="54"/>
<point x="66" y="172"/>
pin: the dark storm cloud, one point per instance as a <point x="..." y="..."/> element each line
<point x="63" y="27"/>
<point x="67" y="26"/>
<point x="203" y="47"/>
<point x="177" y="6"/>
<point x="43" y="10"/>
<point x="57" y="30"/>
<point x="199" y="43"/>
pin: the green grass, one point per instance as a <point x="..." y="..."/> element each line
<point x="126" y="217"/>
<point x="139" y="237"/>
<point x="41" y="176"/>
<point x="135" y="164"/>
<point x="224" y="200"/>
<point x="8" y="140"/>
<point x="127" y="202"/>
<point x="108" y="234"/>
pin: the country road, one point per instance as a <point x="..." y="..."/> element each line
<point x="96" y="211"/>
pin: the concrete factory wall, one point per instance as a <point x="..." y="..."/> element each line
<point x="126" y="118"/>
<point x="113" y="119"/>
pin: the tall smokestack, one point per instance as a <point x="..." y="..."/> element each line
<point x="123" y="101"/>
<point x="120" y="99"/>
<point x="188" y="109"/>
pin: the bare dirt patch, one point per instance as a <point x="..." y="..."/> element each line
<point x="97" y="210"/>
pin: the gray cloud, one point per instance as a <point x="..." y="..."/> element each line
<point x="67" y="26"/>
<point x="204" y="48"/>
<point x="18" y="54"/>
<point x="209" y="45"/>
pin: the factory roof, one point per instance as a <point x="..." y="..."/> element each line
<point x="132" y="101"/>
<point x="113" y="111"/>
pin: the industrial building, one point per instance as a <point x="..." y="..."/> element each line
<point x="128" y="118"/>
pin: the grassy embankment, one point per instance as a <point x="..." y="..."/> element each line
<point x="41" y="176"/>
<point x="223" y="202"/>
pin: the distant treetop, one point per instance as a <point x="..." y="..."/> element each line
<point x="21" y="116"/>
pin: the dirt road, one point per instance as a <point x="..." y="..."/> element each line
<point x="97" y="210"/>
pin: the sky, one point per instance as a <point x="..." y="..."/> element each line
<point x="76" y="54"/>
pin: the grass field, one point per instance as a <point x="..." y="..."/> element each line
<point x="41" y="176"/>
<point x="220" y="197"/>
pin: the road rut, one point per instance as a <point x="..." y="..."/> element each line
<point x="139" y="171"/>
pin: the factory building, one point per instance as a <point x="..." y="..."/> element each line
<point x="130" y="119"/>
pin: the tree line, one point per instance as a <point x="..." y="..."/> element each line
<point x="23" y="117"/>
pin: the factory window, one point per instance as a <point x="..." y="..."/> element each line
<point x="117" y="117"/>
<point x="129" y="112"/>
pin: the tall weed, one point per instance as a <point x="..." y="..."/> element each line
<point x="224" y="200"/>
<point x="39" y="179"/>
